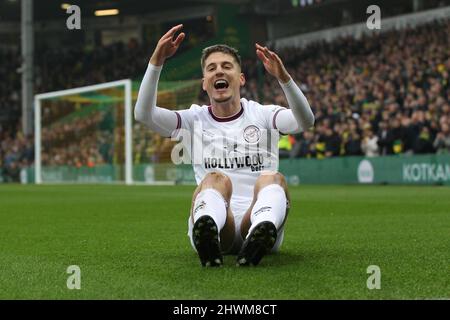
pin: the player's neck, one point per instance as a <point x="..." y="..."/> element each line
<point x="226" y="109"/>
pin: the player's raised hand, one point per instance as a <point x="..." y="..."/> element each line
<point x="272" y="63"/>
<point x="167" y="46"/>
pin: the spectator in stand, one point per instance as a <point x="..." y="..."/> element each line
<point x="302" y="145"/>
<point x="442" y="141"/>
<point x="423" y="143"/>
<point x="332" y="143"/>
<point x="385" y="139"/>
<point x="369" y="144"/>
<point x="352" y="146"/>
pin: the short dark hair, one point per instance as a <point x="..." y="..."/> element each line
<point x="220" y="48"/>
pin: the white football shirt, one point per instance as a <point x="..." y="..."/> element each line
<point x="240" y="146"/>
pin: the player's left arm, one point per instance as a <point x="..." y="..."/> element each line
<point x="300" y="116"/>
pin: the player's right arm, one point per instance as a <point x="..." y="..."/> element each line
<point x="161" y="120"/>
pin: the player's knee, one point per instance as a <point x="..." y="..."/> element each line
<point x="218" y="181"/>
<point x="216" y="177"/>
<point x="270" y="177"/>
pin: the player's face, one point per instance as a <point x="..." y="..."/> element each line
<point x="222" y="77"/>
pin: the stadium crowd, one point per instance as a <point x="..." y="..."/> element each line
<point x="383" y="94"/>
<point x="379" y="95"/>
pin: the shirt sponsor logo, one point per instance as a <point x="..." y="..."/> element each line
<point x="254" y="162"/>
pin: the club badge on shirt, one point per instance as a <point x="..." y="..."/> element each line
<point x="252" y="134"/>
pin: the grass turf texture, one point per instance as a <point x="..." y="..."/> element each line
<point x="131" y="243"/>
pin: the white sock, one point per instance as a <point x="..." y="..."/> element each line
<point x="210" y="202"/>
<point x="270" y="206"/>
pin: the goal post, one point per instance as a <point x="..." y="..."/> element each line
<point x="125" y="101"/>
<point x="89" y="135"/>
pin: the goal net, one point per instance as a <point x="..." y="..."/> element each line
<point x="83" y="135"/>
<point x="88" y="135"/>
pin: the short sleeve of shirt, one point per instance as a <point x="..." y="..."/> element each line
<point x="185" y="119"/>
<point x="270" y="113"/>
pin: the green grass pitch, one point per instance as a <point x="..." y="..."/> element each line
<point x="131" y="243"/>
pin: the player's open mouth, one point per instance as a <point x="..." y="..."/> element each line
<point x="221" y="84"/>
